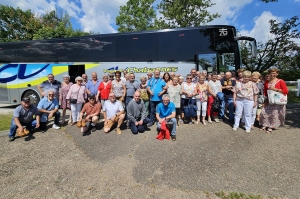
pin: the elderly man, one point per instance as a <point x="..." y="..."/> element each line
<point x="91" y="110"/>
<point x="84" y="79"/>
<point x="50" y="84"/>
<point x="149" y="75"/>
<point x="48" y="108"/>
<point x="195" y="77"/>
<point x="156" y="87"/>
<point x="131" y="87"/>
<point x="113" y="112"/>
<point x="93" y="84"/>
<point x="227" y="85"/>
<point x="136" y="114"/>
<point x="165" y="111"/>
<point x="23" y="118"/>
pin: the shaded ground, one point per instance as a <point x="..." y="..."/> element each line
<point x="202" y="160"/>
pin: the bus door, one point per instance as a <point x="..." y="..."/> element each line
<point x="208" y="62"/>
<point x="75" y="71"/>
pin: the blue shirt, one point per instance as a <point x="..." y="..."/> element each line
<point x="93" y="88"/>
<point x="165" y="111"/>
<point x="47" y="105"/>
<point x="48" y="86"/>
<point x="25" y="116"/>
<point x="156" y="86"/>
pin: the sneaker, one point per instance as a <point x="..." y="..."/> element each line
<point x="248" y="131"/>
<point x="11" y="139"/>
<point x="149" y="124"/>
<point x="181" y="121"/>
<point x="234" y="129"/>
<point x="191" y="122"/>
<point x="173" y="137"/>
<point x="54" y="126"/>
<point x="119" y="131"/>
<point x="217" y="120"/>
<point x="93" y="129"/>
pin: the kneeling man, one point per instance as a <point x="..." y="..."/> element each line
<point x="136" y="114"/>
<point x="113" y="112"/>
<point x="91" y="110"/>
<point x="165" y="111"/>
<point x="48" y="108"/>
<point x="23" y="117"/>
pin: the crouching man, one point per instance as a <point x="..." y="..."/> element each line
<point x="165" y="111"/>
<point x="91" y="110"/>
<point x="48" y="108"/>
<point x="23" y="119"/>
<point x="113" y="112"/>
<point x="136" y="114"/>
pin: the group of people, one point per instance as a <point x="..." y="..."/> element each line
<point x="157" y="98"/>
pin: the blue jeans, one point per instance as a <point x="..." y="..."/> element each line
<point x="173" y="124"/>
<point x="140" y="128"/>
<point x="56" y="120"/>
<point x="13" y="127"/>
<point x="153" y="105"/>
<point x="230" y="108"/>
<point x="127" y="100"/>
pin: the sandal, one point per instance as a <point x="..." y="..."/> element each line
<point x="204" y="122"/>
<point x="269" y="130"/>
<point x="262" y="129"/>
<point x="197" y="122"/>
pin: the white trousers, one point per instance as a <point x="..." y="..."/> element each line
<point x="243" y="107"/>
<point x="204" y="107"/>
<point x="253" y="114"/>
<point x="76" y="108"/>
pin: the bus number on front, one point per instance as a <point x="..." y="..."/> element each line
<point x="223" y="32"/>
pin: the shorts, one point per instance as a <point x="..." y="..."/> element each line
<point x="110" y="123"/>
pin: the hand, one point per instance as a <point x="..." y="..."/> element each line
<point x="43" y="93"/>
<point x="228" y="87"/>
<point x="255" y="103"/>
<point x="121" y="99"/>
<point x="50" y="115"/>
<point x="21" y="129"/>
<point x="159" y="94"/>
<point x="140" y="122"/>
<point x="136" y="123"/>
<point x="150" y="92"/>
<point x="166" y="87"/>
<point x="234" y="103"/>
<point x="37" y="125"/>
<point x="190" y="95"/>
<point x="106" y="122"/>
<point x="215" y="96"/>
<point x="273" y="88"/>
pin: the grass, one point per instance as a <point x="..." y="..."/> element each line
<point x="292" y="98"/>
<point x="234" y="195"/>
<point x="5" y="120"/>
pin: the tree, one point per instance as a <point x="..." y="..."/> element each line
<point x="278" y="50"/>
<point x="136" y="15"/>
<point x="184" y="13"/>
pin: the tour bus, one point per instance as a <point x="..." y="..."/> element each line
<point x="24" y="65"/>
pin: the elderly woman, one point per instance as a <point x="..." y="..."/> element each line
<point x="201" y="99"/>
<point x="144" y="93"/>
<point x="76" y="96"/>
<point x="257" y="109"/>
<point x="104" y="89"/>
<point x="188" y="90"/>
<point x="272" y="115"/>
<point x="214" y="89"/>
<point x="167" y="79"/>
<point x="118" y="87"/>
<point x="175" y="91"/>
<point x="65" y="104"/>
<point x="245" y="99"/>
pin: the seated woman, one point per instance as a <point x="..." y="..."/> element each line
<point x="272" y="115"/>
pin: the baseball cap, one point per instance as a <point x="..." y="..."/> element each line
<point x="26" y="99"/>
<point x="91" y="95"/>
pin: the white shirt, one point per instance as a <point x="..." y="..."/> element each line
<point x="112" y="109"/>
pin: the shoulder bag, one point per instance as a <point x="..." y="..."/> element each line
<point x="190" y="110"/>
<point x="74" y="101"/>
<point x="276" y="97"/>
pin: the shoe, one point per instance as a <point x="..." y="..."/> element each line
<point x="93" y="129"/>
<point x="11" y="139"/>
<point x="20" y="133"/>
<point x="78" y="124"/>
<point x="173" y="137"/>
<point x="209" y="120"/>
<point x="234" y="129"/>
<point x="204" y="122"/>
<point x="217" y="120"/>
<point x="180" y="121"/>
<point x="54" y="126"/>
<point x="119" y="131"/>
<point x="149" y="124"/>
<point x="197" y="122"/>
<point x="248" y="131"/>
<point x="191" y="122"/>
<point x="83" y="123"/>
<point x="26" y="131"/>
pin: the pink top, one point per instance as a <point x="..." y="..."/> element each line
<point x="245" y="91"/>
<point x="77" y="92"/>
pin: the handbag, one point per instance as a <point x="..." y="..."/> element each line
<point x="190" y="110"/>
<point x="260" y="99"/>
<point x="216" y="105"/>
<point x="74" y="101"/>
<point x="276" y="98"/>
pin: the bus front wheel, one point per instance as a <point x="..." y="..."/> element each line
<point x="34" y="97"/>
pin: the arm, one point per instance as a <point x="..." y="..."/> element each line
<point x="38" y="119"/>
<point x="124" y="88"/>
<point x="210" y="91"/>
<point x="17" y="122"/>
<point x="283" y="88"/>
<point x="129" y="113"/>
<point x="69" y="93"/>
<point x="40" y="89"/>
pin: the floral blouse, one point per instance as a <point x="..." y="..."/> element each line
<point x="202" y="92"/>
<point x="117" y="88"/>
<point x="245" y="90"/>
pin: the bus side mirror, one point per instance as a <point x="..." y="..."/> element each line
<point x="253" y="48"/>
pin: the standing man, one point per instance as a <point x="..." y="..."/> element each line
<point x="195" y="78"/>
<point x="227" y="85"/>
<point x="23" y="116"/>
<point x="93" y="84"/>
<point x="113" y="112"/>
<point x="50" y="84"/>
<point x="84" y="79"/>
<point x="165" y="111"/>
<point x="91" y="110"/>
<point x="136" y="114"/>
<point x="131" y="87"/>
<point x="149" y="75"/>
<point x="156" y="87"/>
<point x="48" y="108"/>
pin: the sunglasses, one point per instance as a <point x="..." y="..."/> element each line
<point x="188" y="78"/>
<point x="50" y="94"/>
<point x="111" y="76"/>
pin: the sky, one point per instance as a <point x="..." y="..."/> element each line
<point x="250" y="17"/>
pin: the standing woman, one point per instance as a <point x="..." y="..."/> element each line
<point x="118" y="87"/>
<point x="201" y="99"/>
<point x="167" y="79"/>
<point x="144" y="93"/>
<point x="76" y="96"/>
<point x="214" y="87"/>
<point x="272" y="115"/>
<point x="244" y="99"/>
<point x="188" y="90"/>
<point x="175" y="91"/>
<point x="104" y="89"/>
<point x="65" y="104"/>
<point x="257" y="110"/>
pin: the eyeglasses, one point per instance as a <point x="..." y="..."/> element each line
<point x="92" y="98"/>
<point x="79" y="80"/>
<point x="50" y="94"/>
<point x="138" y="96"/>
<point x="188" y="78"/>
<point x="117" y="76"/>
<point x="111" y="76"/>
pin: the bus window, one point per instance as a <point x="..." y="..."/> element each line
<point x="137" y="47"/>
<point x="66" y="50"/>
<point x="7" y="53"/>
<point x="227" y="62"/>
<point x="34" y="51"/>
<point x="207" y="62"/>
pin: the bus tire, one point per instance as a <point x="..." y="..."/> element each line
<point x="34" y="97"/>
